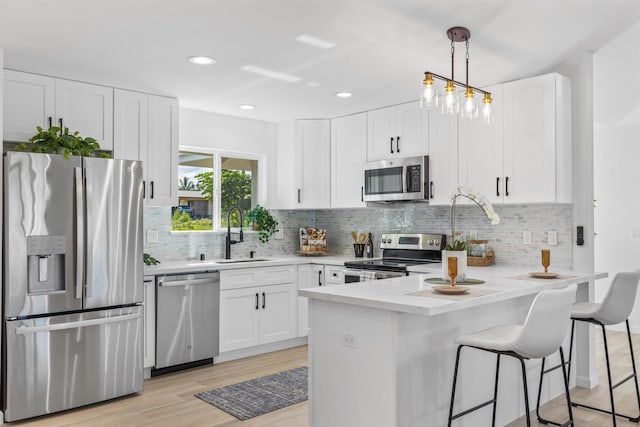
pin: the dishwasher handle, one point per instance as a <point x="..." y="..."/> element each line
<point x="189" y="279"/>
<point x="186" y="282"/>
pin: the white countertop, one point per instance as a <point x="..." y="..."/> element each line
<point x="194" y="266"/>
<point x="391" y="294"/>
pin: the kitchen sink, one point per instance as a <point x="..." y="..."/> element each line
<point x="234" y="260"/>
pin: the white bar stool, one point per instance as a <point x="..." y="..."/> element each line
<point x="614" y="308"/>
<point x="541" y="334"/>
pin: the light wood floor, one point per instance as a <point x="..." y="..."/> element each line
<point x="168" y="400"/>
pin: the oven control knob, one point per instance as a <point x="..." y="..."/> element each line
<point x="430" y="242"/>
<point x="388" y="240"/>
<point x="436" y="242"/>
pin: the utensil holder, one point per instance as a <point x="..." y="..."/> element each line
<point x="358" y="248"/>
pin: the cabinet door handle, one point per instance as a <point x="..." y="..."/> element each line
<point x="151" y="190"/>
<point x="506" y="186"/>
<point x="431" y="189"/>
<point x="391" y="143"/>
<point x="362" y="193"/>
<point x="319" y="278"/>
<point x="257" y="301"/>
<point x="498" y="186"/>
<point x="264" y="300"/>
<point x="298" y="195"/>
<point x="144" y="189"/>
<point x="397" y="144"/>
<point x="50" y="121"/>
<point x="61" y="127"/>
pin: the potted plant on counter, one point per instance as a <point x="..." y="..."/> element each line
<point x="56" y="140"/>
<point x="458" y="248"/>
<point x="263" y="222"/>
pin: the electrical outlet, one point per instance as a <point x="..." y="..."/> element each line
<point x="279" y="235"/>
<point x="552" y="237"/>
<point x="526" y="237"/>
<point x="152" y="236"/>
<point x="473" y="234"/>
<point x="635" y="233"/>
<point x="349" y="341"/>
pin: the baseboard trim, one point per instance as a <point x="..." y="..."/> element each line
<point x="259" y="349"/>
<point x="586" y="382"/>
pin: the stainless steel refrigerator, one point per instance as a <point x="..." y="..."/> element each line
<point x="72" y="284"/>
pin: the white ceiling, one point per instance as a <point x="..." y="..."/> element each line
<point x="382" y="46"/>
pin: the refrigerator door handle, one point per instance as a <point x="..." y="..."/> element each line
<point x="24" y="330"/>
<point x="79" y="233"/>
<point x="88" y="269"/>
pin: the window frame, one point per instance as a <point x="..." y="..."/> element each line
<point x="217" y="155"/>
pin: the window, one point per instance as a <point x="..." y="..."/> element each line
<point x="209" y="185"/>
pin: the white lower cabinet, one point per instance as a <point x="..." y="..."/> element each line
<point x="257" y="306"/>
<point x="309" y="276"/>
<point x="149" y="321"/>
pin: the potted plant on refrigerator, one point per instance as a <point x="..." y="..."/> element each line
<point x="56" y="140"/>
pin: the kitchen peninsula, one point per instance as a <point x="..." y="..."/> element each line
<point x="382" y="357"/>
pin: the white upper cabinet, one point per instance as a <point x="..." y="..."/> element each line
<point x="524" y="156"/>
<point x="87" y="109"/>
<point x="29" y="101"/>
<point x="481" y="151"/>
<point x="312" y="164"/>
<point x="348" y="155"/>
<point x="537" y="140"/>
<point x="32" y="100"/>
<point x="398" y="131"/>
<point x="443" y="157"/>
<point x="146" y="128"/>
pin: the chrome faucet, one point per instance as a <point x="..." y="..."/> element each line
<point x="227" y="241"/>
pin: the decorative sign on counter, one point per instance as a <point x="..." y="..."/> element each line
<point x="313" y="239"/>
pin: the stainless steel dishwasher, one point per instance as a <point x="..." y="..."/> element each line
<point x="188" y="313"/>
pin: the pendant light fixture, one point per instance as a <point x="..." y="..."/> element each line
<point x="448" y="100"/>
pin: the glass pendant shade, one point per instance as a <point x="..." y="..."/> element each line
<point x="450" y="104"/>
<point x="487" y="109"/>
<point x="469" y="107"/>
<point x="428" y="96"/>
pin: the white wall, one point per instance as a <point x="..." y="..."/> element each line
<point x="616" y="158"/>
<point x="215" y="131"/>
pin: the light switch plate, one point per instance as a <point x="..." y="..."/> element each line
<point x="526" y="237"/>
<point x="279" y="235"/>
<point x="552" y="237"/>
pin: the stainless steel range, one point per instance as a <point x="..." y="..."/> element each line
<point x="399" y="252"/>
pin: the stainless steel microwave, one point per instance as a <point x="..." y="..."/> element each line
<point x="396" y="179"/>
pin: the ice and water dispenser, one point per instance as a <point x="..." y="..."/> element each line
<point x="46" y="263"/>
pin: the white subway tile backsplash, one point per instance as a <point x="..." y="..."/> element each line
<point x="505" y="238"/>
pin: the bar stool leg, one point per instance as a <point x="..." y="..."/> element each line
<point x="540" y="419"/>
<point x="526" y="392"/>
<point x="573" y="327"/>
<point x="495" y="392"/>
<point x="453" y="389"/>
<point x="635" y="376"/>
<point x="565" y="377"/>
<point x="606" y="355"/>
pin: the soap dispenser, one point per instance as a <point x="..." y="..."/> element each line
<point x="369" y="246"/>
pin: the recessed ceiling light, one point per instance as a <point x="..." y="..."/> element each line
<point x="270" y="73"/>
<point x="202" y="60"/>
<point x="343" y="94"/>
<point x="247" y="107"/>
<point x="315" y="41"/>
